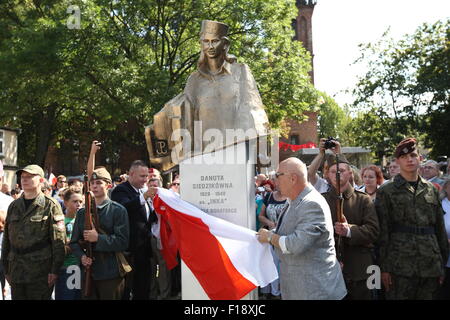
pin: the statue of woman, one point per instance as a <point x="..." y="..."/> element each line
<point x="222" y="94"/>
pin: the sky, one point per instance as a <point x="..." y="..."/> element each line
<point x="339" y="26"/>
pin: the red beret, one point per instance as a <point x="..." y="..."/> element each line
<point x="405" y="146"/>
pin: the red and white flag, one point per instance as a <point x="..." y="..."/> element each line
<point x="52" y="179"/>
<point x="227" y="260"/>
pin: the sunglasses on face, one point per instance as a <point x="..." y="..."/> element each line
<point x="277" y="174"/>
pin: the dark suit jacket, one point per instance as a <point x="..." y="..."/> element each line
<point x="140" y="237"/>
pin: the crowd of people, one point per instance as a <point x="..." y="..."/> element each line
<point x="43" y="230"/>
<point x="328" y="225"/>
<point x="395" y="221"/>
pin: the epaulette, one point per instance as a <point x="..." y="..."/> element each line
<point x="385" y="185"/>
<point x="51" y="199"/>
<point x="116" y="204"/>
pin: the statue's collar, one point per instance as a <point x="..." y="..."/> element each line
<point x="225" y="68"/>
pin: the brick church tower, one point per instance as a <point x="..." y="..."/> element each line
<point x="306" y="131"/>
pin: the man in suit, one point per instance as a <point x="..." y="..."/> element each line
<point x="358" y="232"/>
<point x="141" y="216"/>
<point x="304" y="239"/>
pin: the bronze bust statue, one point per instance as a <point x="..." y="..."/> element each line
<point x="221" y="95"/>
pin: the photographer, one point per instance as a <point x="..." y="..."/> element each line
<point x="321" y="184"/>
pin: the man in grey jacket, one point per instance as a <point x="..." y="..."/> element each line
<point x="304" y="239"/>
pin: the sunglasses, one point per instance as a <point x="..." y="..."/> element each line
<point x="175" y="184"/>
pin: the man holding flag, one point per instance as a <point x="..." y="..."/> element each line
<point x="304" y="239"/>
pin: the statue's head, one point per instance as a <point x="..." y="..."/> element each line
<point x="214" y="42"/>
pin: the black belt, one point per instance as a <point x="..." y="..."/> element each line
<point x="34" y="247"/>
<point x="414" y="230"/>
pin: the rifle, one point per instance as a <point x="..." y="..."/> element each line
<point x="339" y="210"/>
<point x="90" y="211"/>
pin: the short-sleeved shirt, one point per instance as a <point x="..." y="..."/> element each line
<point x="5" y="200"/>
<point x="321" y="184"/>
<point x="273" y="207"/>
<point x="70" y="258"/>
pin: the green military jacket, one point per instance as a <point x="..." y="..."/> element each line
<point x="34" y="238"/>
<point x="404" y="253"/>
<point x="361" y="216"/>
<point x="114" y="223"/>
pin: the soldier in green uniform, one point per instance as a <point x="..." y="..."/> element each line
<point x="110" y="237"/>
<point x="358" y="232"/>
<point x="413" y="241"/>
<point x="33" y="245"/>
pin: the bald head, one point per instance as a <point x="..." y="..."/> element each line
<point x="295" y="166"/>
<point x="292" y="177"/>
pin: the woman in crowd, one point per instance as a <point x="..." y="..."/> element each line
<point x="372" y="178"/>
<point x="73" y="201"/>
<point x="269" y="215"/>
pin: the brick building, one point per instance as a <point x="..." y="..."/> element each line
<point x="305" y="132"/>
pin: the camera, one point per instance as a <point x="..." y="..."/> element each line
<point x="329" y="143"/>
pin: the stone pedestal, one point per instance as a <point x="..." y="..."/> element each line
<point x="222" y="185"/>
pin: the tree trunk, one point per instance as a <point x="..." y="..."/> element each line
<point x="45" y="133"/>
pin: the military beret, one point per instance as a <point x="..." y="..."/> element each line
<point x="33" y="169"/>
<point x="331" y="159"/>
<point x="101" y="173"/>
<point x="405" y="146"/>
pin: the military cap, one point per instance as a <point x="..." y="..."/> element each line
<point x="101" y="173"/>
<point x="33" y="169"/>
<point x="331" y="159"/>
<point x="405" y="146"/>
<point x="214" y="27"/>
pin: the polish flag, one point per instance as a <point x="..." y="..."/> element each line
<point x="227" y="260"/>
<point x="52" y="179"/>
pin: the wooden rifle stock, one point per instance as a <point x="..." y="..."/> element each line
<point x="88" y="225"/>
<point x="339" y="209"/>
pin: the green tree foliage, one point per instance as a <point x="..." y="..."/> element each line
<point x="109" y="77"/>
<point x="406" y="90"/>
<point x="332" y="119"/>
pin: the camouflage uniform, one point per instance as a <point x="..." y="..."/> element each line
<point x="33" y="246"/>
<point x="413" y="240"/>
